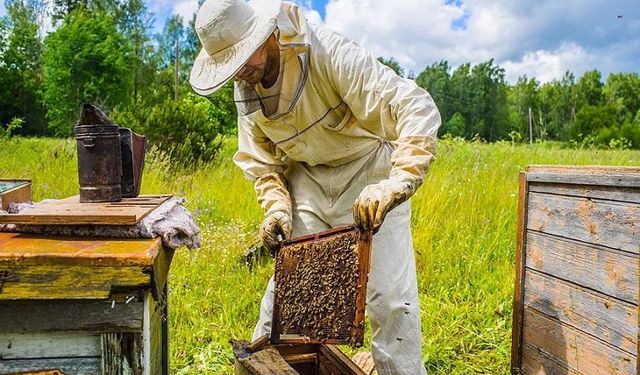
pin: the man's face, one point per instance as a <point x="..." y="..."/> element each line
<point x="255" y="69"/>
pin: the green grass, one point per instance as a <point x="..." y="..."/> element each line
<point x="464" y="220"/>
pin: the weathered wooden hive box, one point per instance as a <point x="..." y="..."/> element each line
<point x="576" y="295"/>
<point x="14" y="191"/>
<point x="83" y="305"/>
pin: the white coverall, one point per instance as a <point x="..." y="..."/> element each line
<point x="355" y="123"/>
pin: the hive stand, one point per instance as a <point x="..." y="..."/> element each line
<point x="83" y="305"/>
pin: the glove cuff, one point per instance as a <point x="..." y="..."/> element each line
<point x="272" y="193"/>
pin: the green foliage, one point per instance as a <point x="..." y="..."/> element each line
<point x="84" y="61"/>
<point x="13" y="125"/>
<point x="455" y="126"/>
<point x="465" y="260"/>
<point x="599" y="121"/>
<point x="183" y="128"/>
<point x="393" y="64"/>
<point x="20" y="66"/>
<point x="478" y="93"/>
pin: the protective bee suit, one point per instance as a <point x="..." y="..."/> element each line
<point x="344" y="128"/>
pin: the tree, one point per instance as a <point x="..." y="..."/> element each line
<point x="21" y="71"/>
<point x="623" y="91"/>
<point x="393" y="64"/>
<point x="436" y="80"/>
<point x="135" y="23"/>
<point x="455" y="126"/>
<point x="522" y="97"/>
<point x="589" y="88"/>
<point x="84" y="61"/>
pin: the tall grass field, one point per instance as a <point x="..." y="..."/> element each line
<point x="464" y="229"/>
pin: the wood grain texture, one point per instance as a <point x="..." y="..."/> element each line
<point x="70" y="315"/>
<point x="579" y="351"/>
<point x="70" y="282"/>
<point x="608" y="271"/>
<point x="606" y="223"/>
<point x="267" y="362"/>
<point x="27" y="249"/>
<point x="612" y="193"/>
<point x="340" y="360"/>
<point x="607" y="319"/>
<point x="518" y="295"/>
<point x="83" y="366"/>
<point x="586" y="175"/>
<point x="48" y="345"/>
<point x="70" y="211"/>
<point x="536" y="362"/>
<point x="121" y="353"/>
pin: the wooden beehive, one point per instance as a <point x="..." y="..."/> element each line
<point x="320" y="288"/>
<point x="83" y="305"/>
<point x="14" y="191"/>
<point x="576" y="294"/>
<point x="304" y="359"/>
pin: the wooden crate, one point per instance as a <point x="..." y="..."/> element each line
<point x="83" y="306"/>
<point x="577" y="271"/>
<point x="302" y="253"/>
<point x="14" y="191"/>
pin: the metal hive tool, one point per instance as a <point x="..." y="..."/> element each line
<point x="320" y="292"/>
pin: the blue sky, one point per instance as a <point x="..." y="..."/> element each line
<point x="537" y="38"/>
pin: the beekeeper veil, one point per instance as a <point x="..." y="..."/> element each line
<point x="280" y="98"/>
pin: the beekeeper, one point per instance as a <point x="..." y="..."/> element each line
<point x="330" y="136"/>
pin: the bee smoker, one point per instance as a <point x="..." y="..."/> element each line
<point x="110" y="158"/>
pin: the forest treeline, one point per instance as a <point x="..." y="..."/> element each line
<point x="55" y="57"/>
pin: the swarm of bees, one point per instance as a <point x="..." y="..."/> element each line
<point x="316" y="287"/>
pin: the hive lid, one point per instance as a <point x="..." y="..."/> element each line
<point x="70" y="211"/>
<point x="320" y="288"/>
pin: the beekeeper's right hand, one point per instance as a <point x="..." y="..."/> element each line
<point x="276" y="224"/>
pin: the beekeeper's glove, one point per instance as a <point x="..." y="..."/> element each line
<point x="375" y="201"/>
<point x="276" y="224"/>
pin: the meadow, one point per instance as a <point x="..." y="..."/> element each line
<point x="464" y="220"/>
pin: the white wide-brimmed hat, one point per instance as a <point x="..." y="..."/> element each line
<point x="230" y="32"/>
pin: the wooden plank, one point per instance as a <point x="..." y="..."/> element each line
<point x="48" y="345"/>
<point x="70" y="282"/>
<point x="40" y="372"/>
<point x="160" y="272"/>
<point x="27" y="249"/>
<point x="267" y="362"/>
<point x="613" y="193"/>
<point x="84" y="365"/>
<point x="611" y="224"/>
<point x="364" y="360"/>
<point x="70" y="211"/>
<point x="537" y="362"/>
<point x="603" y="317"/>
<point x="121" y="353"/>
<point x="579" y="351"/>
<point x="340" y="360"/>
<point x="18" y="192"/>
<point x="70" y="315"/>
<point x="518" y="295"/>
<point x="586" y="175"/>
<point x="608" y="271"/>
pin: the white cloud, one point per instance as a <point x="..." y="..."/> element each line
<point x="541" y="38"/>
<point x="548" y="65"/>
<point x="185" y="8"/>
